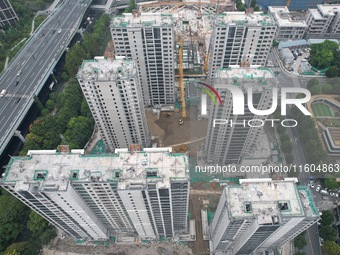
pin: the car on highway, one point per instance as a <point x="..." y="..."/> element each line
<point x="53" y="31"/>
<point x="19" y="73"/>
<point x="333" y="194"/>
<point x="42" y="34"/>
<point x="318" y="188"/>
<point x="59" y="31"/>
<point x="311" y="184"/>
<point x="3" y="93"/>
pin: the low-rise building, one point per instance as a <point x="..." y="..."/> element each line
<point x="289" y="28"/>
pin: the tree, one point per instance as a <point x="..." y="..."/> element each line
<point x="327" y="218"/>
<point x="79" y="130"/>
<point x="312" y="82"/>
<point x="131" y="7"/>
<point x="327" y="89"/>
<point x="328" y="233"/>
<point x="299" y="253"/>
<point x="300" y="241"/>
<point x="331" y="248"/>
<point x="12" y="215"/>
<point x="14" y="252"/>
<point x="322" y="54"/>
<point x="252" y="3"/>
<point x="284" y="137"/>
<point x="289" y="158"/>
<point x="315" y="90"/>
<point x="17" y="247"/>
<point x="332" y="72"/>
<point x="287" y="146"/>
<point x="330" y="182"/>
<point x="36" y="223"/>
<point x="50" y="104"/>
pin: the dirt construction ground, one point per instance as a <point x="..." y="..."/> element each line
<point x="164" y="248"/>
<point x="170" y="132"/>
<point x="201" y="200"/>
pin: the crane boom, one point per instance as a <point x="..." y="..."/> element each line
<point x="180" y="74"/>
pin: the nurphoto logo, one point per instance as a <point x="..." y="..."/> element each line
<point x="238" y="102"/>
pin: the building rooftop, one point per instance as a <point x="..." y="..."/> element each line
<point x="241" y="18"/>
<point x="52" y="169"/>
<point x="255" y="76"/>
<point x="266" y="199"/>
<point x="284" y="18"/>
<point x="329" y="10"/>
<point x="142" y="20"/>
<point x="316" y="14"/>
<point x="101" y="69"/>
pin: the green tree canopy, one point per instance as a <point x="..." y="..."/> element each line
<point x="322" y="54"/>
<point x="327" y="218"/>
<point x="36" y="223"/>
<point x="330" y="182"/>
<point x="300" y="241"/>
<point x="328" y="233"/>
<point x="12" y="216"/>
<point x="312" y="82"/>
<point x="79" y="129"/>
<point x="331" y="248"/>
<point x="287" y="146"/>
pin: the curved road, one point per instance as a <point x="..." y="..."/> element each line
<point x="30" y="69"/>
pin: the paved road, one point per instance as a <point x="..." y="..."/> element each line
<point x="289" y="80"/>
<point x="30" y="69"/>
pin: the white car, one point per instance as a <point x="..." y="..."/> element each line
<point x="333" y="194"/>
<point x="321" y="241"/>
<point x="3" y="93"/>
<point x="324" y="192"/>
<point x="59" y="31"/>
<point x="311" y="184"/>
<point x="19" y="73"/>
<point x="318" y="188"/>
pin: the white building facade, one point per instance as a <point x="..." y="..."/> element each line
<point x="113" y="93"/>
<point x="240" y="39"/>
<point x="259" y="215"/>
<point x="137" y="193"/>
<point x="324" y="20"/>
<point x="289" y="28"/>
<point x="227" y="142"/>
<point x="149" y="39"/>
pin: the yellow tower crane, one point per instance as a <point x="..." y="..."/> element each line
<point x="180" y="74"/>
<point x="199" y="15"/>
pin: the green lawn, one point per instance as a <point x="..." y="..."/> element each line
<point x="321" y="109"/>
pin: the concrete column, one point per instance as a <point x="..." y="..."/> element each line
<point x="18" y="134"/>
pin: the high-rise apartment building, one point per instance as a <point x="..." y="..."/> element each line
<point x="240" y="38"/>
<point x="289" y="27"/>
<point x="226" y="143"/>
<point x="149" y="39"/>
<point x="325" y="19"/>
<point x="94" y="197"/>
<point x="112" y="91"/>
<point x="259" y="215"/>
<point x="7" y="14"/>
